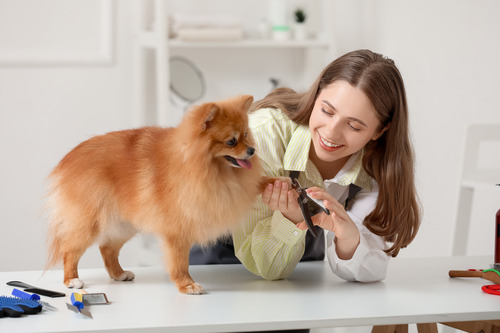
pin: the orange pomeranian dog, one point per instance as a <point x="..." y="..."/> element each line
<point x="189" y="185"/>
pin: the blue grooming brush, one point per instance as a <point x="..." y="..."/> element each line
<point x="9" y="308"/>
<point x="15" y="307"/>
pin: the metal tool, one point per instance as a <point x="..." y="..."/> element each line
<point x="77" y="305"/>
<point x="95" y="299"/>
<point x="308" y="205"/>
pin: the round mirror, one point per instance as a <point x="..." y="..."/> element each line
<point x="186" y="80"/>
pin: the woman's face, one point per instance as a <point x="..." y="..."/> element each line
<point x="342" y="122"/>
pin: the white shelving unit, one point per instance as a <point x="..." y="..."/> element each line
<point x="157" y="41"/>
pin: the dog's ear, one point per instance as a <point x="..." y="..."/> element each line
<point x="246" y="101"/>
<point x="211" y="110"/>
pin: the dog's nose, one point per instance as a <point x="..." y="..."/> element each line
<point x="250" y="151"/>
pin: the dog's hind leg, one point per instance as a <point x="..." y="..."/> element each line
<point x="177" y="257"/>
<point x="73" y="244"/>
<point x="110" y="247"/>
<point x="71" y="257"/>
<point x="71" y="240"/>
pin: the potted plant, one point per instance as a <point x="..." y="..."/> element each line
<point x="300" y="16"/>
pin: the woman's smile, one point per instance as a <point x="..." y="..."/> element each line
<point x="328" y="145"/>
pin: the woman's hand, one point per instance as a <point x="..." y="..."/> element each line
<point x="279" y="196"/>
<point x="346" y="232"/>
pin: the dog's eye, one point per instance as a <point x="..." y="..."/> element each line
<point x="232" y="142"/>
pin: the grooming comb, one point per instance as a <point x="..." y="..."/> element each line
<point x="32" y="289"/>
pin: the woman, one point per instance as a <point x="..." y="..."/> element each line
<point x="348" y="131"/>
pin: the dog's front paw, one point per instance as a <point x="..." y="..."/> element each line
<point x="75" y="283"/>
<point x="125" y="276"/>
<point x="270" y="180"/>
<point x="192" y="289"/>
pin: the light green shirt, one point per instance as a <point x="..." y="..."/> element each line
<point x="267" y="243"/>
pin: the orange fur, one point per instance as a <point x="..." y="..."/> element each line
<point x="174" y="182"/>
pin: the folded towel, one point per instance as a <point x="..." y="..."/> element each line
<point x="210" y="34"/>
<point x="180" y="21"/>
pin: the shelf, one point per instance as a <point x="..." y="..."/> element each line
<point x="263" y="43"/>
<point x="152" y="35"/>
<point x="150" y="39"/>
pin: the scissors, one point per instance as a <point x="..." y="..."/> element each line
<point x="493" y="289"/>
<point x="308" y="205"/>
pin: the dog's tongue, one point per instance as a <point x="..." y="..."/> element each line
<point x="244" y="164"/>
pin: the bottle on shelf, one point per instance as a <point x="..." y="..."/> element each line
<point x="497" y="240"/>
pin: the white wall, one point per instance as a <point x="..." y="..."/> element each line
<point x="448" y="53"/>
<point x="447" y="50"/>
<point x="51" y="106"/>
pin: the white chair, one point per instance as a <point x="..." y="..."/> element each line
<point x="474" y="177"/>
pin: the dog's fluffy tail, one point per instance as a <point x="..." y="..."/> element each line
<point x="54" y="255"/>
<point x="53" y="243"/>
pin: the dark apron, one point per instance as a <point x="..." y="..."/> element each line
<point x="223" y="251"/>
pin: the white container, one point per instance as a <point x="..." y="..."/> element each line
<point x="264" y="29"/>
<point x="300" y="31"/>
<point x="281" y="33"/>
<point x="278" y="17"/>
<point x="278" y="12"/>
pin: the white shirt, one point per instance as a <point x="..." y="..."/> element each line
<point x="369" y="262"/>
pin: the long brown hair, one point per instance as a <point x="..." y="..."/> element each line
<point x="390" y="159"/>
